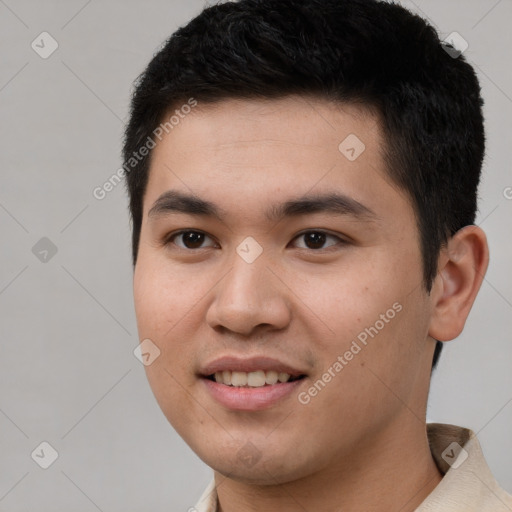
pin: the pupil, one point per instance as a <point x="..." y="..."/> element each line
<point x="193" y="238"/>
<point x="317" y="239"/>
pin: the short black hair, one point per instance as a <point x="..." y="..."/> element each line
<point x="374" y="53"/>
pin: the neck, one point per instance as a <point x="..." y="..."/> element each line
<point x="395" y="471"/>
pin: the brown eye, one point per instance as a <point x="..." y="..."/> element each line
<point x="316" y="239"/>
<point x="189" y="239"/>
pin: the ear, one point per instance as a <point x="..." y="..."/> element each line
<point x="461" y="269"/>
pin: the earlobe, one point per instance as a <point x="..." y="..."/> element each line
<point x="462" y="266"/>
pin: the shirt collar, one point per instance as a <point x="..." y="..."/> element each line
<point x="467" y="482"/>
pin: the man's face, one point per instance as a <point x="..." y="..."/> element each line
<point x="332" y="297"/>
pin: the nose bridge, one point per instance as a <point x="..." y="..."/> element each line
<point x="247" y="280"/>
<point x="248" y="295"/>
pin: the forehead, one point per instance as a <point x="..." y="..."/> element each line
<point x="251" y="152"/>
<point x="310" y="122"/>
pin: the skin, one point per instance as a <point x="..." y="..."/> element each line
<point x="360" y="443"/>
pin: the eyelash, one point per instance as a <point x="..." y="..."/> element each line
<point x="169" y="239"/>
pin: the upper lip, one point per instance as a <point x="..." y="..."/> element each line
<point x="252" y="364"/>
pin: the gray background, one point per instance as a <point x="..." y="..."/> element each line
<point x="68" y="375"/>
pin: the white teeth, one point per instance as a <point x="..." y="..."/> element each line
<point x="271" y="377"/>
<point x="239" y="379"/>
<point x="251" y="379"/>
<point x="256" y="379"/>
<point x="226" y="377"/>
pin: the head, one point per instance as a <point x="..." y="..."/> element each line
<point x="257" y="100"/>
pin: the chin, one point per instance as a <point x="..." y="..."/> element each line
<point x="247" y="465"/>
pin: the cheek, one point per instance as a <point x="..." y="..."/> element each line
<point x="163" y="298"/>
<point x="347" y="300"/>
<point x="169" y="308"/>
<point x="377" y="318"/>
<point x="163" y="303"/>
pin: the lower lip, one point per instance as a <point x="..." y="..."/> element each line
<point x="250" y="399"/>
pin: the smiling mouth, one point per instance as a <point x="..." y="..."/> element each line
<point x="256" y="379"/>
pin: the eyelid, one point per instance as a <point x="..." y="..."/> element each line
<point x="168" y="239"/>
<point x="342" y="239"/>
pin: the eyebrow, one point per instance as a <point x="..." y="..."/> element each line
<point x="336" y="203"/>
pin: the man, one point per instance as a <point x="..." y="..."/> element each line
<point x="302" y="178"/>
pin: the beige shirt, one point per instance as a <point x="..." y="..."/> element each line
<point x="467" y="484"/>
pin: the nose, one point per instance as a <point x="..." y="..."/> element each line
<point x="249" y="297"/>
